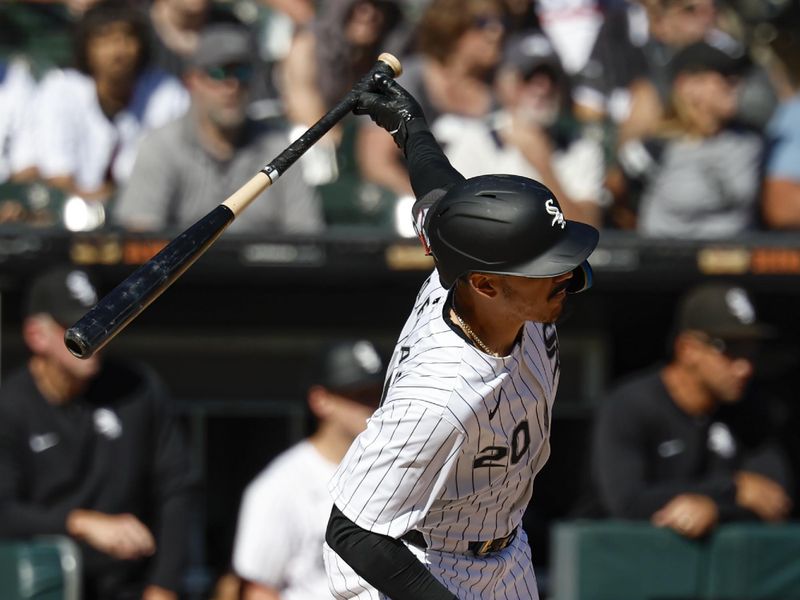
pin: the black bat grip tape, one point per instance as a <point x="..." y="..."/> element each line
<point x="296" y="149"/>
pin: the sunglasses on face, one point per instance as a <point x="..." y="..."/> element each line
<point x="733" y="349"/>
<point x="691" y="8"/>
<point x="484" y="22"/>
<point x="242" y="73"/>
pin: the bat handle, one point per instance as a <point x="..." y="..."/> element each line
<point x="387" y="64"/>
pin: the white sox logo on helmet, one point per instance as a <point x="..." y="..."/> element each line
<point x="558" y="216"/>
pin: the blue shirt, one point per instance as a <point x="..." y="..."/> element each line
<point x="783" y="131"/>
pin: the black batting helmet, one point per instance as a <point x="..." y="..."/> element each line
<point x="508" y="225"/>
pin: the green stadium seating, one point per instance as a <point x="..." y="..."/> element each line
<point x="45" y="568"/>
<point x="753" y="561"/>
<point x="617" y="560"/>
<point x="628" y="560"/>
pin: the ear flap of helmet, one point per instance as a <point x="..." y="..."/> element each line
<point x="582" y="278"/>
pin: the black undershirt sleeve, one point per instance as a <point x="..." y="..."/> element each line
<point x="430" y="172"/>
<point x="383" y="562"/>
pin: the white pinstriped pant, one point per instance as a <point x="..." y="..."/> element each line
<point x="504" y="575"/>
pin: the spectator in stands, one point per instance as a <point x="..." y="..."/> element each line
<point x="627" y="78"/>
<point x="340" y="45"/>
<point x="667" y="447"/>
<point x="87" y="145"/>
<point x="533" y="133"/>
<point x="176" y="27"/>
<point x="89" y="449"/>
<point x="191" y="165"/>
<point x="781" y="192"/>
<point x="699" y="177"/>
<point x="284" y="512"/>
<point x="17" y="88"/>
<point x="325" y="59"/>
<point x="299" y="11"/>
<point x="459" y="44"/>
<point x="572" y="25"/>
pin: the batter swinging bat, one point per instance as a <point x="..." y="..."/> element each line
<point x="109" y="316"/>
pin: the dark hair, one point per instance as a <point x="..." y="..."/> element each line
<point x="444" y="21"/>
<point x="99" y="16"/>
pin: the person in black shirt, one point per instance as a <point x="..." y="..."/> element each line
<point x="89" y="449"/>
<point x="666" y="448"/>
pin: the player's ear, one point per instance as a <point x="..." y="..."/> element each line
<point x="319" y="401"/>
<point x="686" y="348"/>
<point x="485" y="284"/>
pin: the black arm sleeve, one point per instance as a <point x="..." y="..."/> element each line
<point x="383" y="562"/>
<point x="430" y="172"/>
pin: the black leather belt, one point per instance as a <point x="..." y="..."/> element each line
<point x="415" y="538"/>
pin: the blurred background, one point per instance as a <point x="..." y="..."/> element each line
<point x="671" y="125"/>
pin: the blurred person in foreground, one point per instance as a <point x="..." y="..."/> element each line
<point x="89" y="449"/>
<point x="284" y="512"/>
<point x="189" y="166"/>
<point x="668" y="446"/>
<point x="87" y="122"/>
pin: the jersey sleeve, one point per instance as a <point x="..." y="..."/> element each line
<point x="396" y="468"/>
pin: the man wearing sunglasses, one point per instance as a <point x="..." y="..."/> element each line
<point x="188" y="167"/>
<point x="667" y="447"/>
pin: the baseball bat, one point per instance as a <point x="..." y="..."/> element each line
<point x="128" y="299"/>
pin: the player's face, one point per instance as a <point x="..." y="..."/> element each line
<point x="725" y="368"/>
<point x="539" y="299"/>
<point x="50" y="345"/>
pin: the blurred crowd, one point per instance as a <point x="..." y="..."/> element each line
<point x="670" y="118"/>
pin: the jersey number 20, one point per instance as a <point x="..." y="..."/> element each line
<point x="494" y="456"/>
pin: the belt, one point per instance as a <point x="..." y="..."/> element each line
<point x="415" y="538"/>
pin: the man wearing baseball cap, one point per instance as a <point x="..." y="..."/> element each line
<point x="188" y="167"/>
<point x="284" y="512"/>
<point x="88" y="449"/>
<point x="666" y="447"/>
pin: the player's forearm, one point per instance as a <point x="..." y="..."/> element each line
<point x="171" y="556"/>
<point x="642" y="501"/>
<point x="383" y="561"/>
<point x="428" y="167"/>
<point x="21" y="520"/>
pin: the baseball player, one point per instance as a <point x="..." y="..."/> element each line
<point x="428" y="500"/>
<point x="285" y="508"/>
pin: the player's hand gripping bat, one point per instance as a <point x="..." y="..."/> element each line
<point x="120" y="306"/>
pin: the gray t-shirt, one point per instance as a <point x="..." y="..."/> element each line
<point x="175" y="182"/>
<point x="703" y="188"/>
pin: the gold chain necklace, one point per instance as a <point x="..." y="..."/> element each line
<point x="474" y="336"/>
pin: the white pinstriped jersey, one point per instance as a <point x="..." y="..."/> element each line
<point x="453" y="450"/>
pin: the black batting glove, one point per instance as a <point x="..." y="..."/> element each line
<point x="391" y="107"/>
